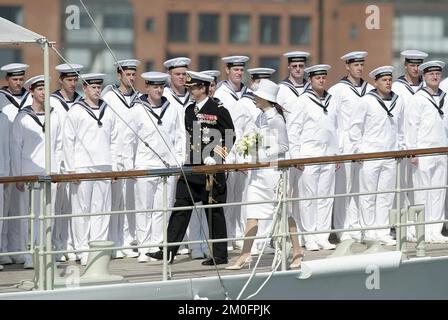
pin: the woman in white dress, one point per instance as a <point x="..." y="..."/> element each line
<point x="270" y="124"/>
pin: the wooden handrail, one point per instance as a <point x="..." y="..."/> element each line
<point x="224" y="167"/>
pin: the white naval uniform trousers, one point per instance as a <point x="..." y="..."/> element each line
<point x="90" y="146"/>
<point x="121" y="226"/>
<point x="373" y="129"/>
<point x="346" y="212"/>
<point x="11" y="196"/>
<point x="313" y="133"/>
<point x="149" y="123"/>
<point x="28" y="158"/>
<point x="236" y="181"/>
<point x="4" y="162"/>
<point x="430" y="131"/>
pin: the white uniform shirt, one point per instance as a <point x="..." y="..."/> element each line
<point x="28" y="143"/>
<point x="347" y="96"/>
<point x="86" y="143"/>
<point x="373" y="129"/>
<point x="13" y="103"/>
<point x="4" y="145"/>
<point x="229" y="97"/>
<point x="145" y="120"/>
<point x="430" y="126"/>
<point x="288" y="93"/>
<point x="311" y="131"/>
<point x="121" y="106"/>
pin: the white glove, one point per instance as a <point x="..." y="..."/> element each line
<point x="209" y="161"/>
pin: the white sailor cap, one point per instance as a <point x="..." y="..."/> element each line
<point x="318" y="69"/>
<point x="260" y="73"/>
<point x="235" y="61"/>
<point x="154" y="77"/>
<point x="93" y="78"/>
<point x="297" y="56"/>
<point x="69" y="70"/>
<point x="414" y="56"/>
<point x="14" y="69"/>
<point x="267" y="90"/>
<point x="128" y="64"/>
<point x="212" y="73"/>
<point x="34" y="82"/>
<point x="197" y="78"/>
<point x="434" y="65"/>
<point x="180" y="62"/>
<point x="381" y="72"/>
<point x="354" y="56"/>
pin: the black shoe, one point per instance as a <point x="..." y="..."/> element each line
<point x="159" y="255"/>
<point x="209" y="262"/>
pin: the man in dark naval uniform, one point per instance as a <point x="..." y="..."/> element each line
<point x="211" y="133"/>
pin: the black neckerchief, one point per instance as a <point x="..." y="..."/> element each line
<point x="406" y="84"/>
<point x="57" y="95"/>
<point x="102" y="108"/>
<point x="120" y="96"/>
<point x="318" y="101"/>
<point x="149" y="107"/>
<point x="250" y="95"/>
<point x="8" y="95"/>
<point x="442" y="95"/>
<point x="176" y="97"/>
<point x="363" y="86"/>
<point x="232" y="92"/>
<point x="394" y="98"/>
<point x="29" y="111"/>
<point x="293" y="88"/>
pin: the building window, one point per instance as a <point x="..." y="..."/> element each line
<point x="299" y="30"/>
<point x="171" y="55"/>
<point x="269" y="29"/>
<point x="178" y="27"/>
<point x="271" y="62"/>
<point x="12" y="13"/>
<point x="239" y="28"/>
<point x="8" y="55"/>
<point x="353" y="32"/>
<point x="208" y="62"/>
<point x="149" y="65"/>
<point x="208" y="28"/>
<point x="117" y="21"/>
<point x="150" y="25"/>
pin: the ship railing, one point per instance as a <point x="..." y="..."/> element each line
<point x="44" y="254"/>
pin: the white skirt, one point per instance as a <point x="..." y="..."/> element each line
<point x="262" y="187"/>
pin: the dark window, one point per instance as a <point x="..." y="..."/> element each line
<point x="149" y="65"/>
<point x="271" y="62"/>
<point x="299" y="30"/>
<point x="208" y="62"/>
<point x="118" y="21"/>
<point x="208" y="28"/>
<point x="8" y="55"/>
<point x="12" y="13"/>
<point x="178" y="27"/>
<point x="353" y="32"/>
<point x="150" y="25"/>
<point x="269" y="29"/>
<point x="239" y="28"/>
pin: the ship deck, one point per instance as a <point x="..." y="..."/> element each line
<point x="185" y="267"/>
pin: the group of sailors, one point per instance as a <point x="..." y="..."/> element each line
<point x="184" y="117"/>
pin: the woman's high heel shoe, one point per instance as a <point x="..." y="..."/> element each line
<point x="241" y="265"/>
<point x="296" y="261"/>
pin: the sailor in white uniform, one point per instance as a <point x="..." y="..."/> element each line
<point x="62" y="100"/>
<point x="12" y="97"/>
<point x="245" y="115"/>
<point x="313" y="132"/>
<point x="377" y="126"/>
<point x="154" y="120"/>
<point x="347" y="93"/>
<point x="427" y="116"/>
<point x="229" y="91"/>
<point x="263" y="183"/>
<point x="90" y="140"/>
<point x="120" y="99"/>
<point x="28" y="154"/>
<point x="4" y="164"/>
<point x="406" y="86"/>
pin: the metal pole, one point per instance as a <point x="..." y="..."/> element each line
<point x="40" y="256"/>
<point x="47" y="184"/>
<point x="398" y="191"/>
<point x="165" y="227"/>
<point x="284" y="228"/>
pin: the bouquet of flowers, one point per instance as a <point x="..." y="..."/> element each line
<point x="249" y="144"/>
